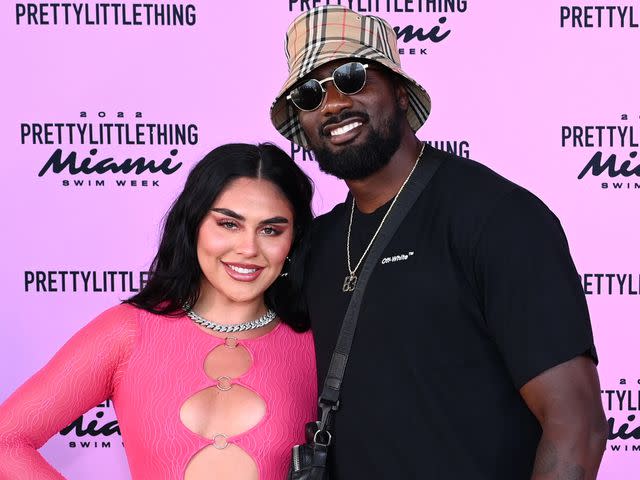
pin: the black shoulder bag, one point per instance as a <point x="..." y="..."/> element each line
<point x="308" y="461"/>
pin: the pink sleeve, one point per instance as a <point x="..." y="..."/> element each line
<point x="82" y="374"/>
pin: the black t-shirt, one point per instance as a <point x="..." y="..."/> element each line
<point x="475" y="295"/>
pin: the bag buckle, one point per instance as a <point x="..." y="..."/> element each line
<point x="322" y="438"/>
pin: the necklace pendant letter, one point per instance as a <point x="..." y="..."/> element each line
<point x="349" y="284"/>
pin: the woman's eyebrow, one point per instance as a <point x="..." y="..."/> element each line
<point x="237" y="216"/>
<point x="228" y="213"/>
<point x="274" y="220"/>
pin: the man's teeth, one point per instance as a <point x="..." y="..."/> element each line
<point x="242" y="270"/>
<point x="345" y="129"/>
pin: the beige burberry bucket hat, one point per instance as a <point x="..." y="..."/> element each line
<point x="333" y="32"/>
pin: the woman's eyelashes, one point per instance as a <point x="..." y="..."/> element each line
<point x="266" y="230"/>
<point x="228" y="224"/>
<point x="271" y="231"/>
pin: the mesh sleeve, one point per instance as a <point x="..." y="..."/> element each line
<point x="81" y="375"/>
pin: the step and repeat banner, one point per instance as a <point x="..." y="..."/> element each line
<point x="106" y="107"/>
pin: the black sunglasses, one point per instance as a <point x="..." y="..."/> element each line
<point x="348" y="79"/>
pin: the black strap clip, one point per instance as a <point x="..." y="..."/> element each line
<point x="326" y="408"/>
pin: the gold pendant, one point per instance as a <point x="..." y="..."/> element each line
<point x="349" y="284"/>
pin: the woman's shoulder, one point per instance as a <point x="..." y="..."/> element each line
<point x="122" y="314"/>
<point x="118" y="324"/>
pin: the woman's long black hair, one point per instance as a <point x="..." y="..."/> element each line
<point x="175" y="272"/>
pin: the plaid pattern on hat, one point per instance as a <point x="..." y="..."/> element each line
<point x="334" y="32"/>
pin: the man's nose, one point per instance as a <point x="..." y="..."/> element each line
<point x="334" y="100"/>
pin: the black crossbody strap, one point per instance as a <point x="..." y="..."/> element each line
<point x="331" y="390"/>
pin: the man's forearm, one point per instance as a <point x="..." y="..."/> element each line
<point x="563" y="457"/>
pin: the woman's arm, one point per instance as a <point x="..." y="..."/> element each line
<point x="79" y="377"/>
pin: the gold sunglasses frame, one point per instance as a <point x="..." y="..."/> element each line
<point x="324" y="91"/>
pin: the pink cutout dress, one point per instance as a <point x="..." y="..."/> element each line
<point x="149" y="366"/>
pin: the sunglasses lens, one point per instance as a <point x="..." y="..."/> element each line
<point x="307" y="96"/>
<point x="350" y="77"/>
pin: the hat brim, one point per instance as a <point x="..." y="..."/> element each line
<point x="284" y="115"/>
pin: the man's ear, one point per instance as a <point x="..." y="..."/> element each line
<point x="402" y="96"/>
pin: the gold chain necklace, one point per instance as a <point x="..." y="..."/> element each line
<point x="350" y="280"/>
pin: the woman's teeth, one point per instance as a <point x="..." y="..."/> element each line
<point x="242" y="270"/>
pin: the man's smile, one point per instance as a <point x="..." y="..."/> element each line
<point x="344" y="131"/>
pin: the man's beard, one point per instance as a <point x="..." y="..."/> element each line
<point x="356" y="162"/>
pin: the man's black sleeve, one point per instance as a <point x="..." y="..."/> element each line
<point x="531" y="293"/>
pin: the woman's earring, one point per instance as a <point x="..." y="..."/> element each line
<point x="287" y="260"/>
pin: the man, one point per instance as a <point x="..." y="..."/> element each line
<point x="473" y="357"/>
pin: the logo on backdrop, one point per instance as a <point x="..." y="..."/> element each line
<point x="622" y="405"/>
<point x="610" y="158"/>
<point x="456" y="147"/>
<point x="460" y="148"/>
<point x="98" y="428"/>
<point x="98" y="150"/>
<point x="106" y="14"/>
<point x="63" y="281"/>
<point x="428" y="21"/>
<point x="598" y="16"/>
<point x="611" y="283"/>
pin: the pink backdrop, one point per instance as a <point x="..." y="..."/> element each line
<point x="532" y="89"/>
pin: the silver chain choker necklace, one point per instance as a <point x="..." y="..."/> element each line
<point x="265" y="319"/>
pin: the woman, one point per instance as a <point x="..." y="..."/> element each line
<point x="209" y="376"/>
